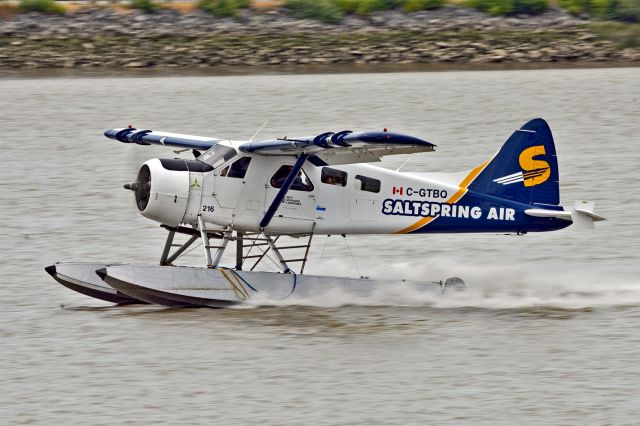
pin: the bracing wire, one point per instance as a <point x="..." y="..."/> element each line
<point x="352" y="256"/>
<point x="323" y="249"/>
<point x="188" y="251"/>
<point x="277" y="265"/>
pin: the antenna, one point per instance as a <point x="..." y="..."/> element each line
<point x="258" y="131"/>
<point x="402" y="165"/>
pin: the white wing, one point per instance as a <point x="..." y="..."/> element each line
<point x="149" y="137"/>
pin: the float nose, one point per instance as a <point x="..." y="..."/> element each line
<point x="51" y="270"/>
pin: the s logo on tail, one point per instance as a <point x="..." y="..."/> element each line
<point x="534" y="172"/>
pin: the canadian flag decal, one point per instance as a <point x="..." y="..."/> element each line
<point x="398" y="190"/>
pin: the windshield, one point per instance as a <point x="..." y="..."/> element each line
<point x="218" y="154"/>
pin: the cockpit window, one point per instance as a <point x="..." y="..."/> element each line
<point x="333" y="176"/>
<point x="217" y="155"/>
<point x="238" y="169"/>
<point x="300" y="183"/>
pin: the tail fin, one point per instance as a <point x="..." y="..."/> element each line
<point x="525" y="169"/>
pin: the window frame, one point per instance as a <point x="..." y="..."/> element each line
<point x="334" y="173"/>
<point x="292" y="188"/>
<point x="229" y="168"/>
<point x="218" y="155"/>
<point x="363" y="182"/>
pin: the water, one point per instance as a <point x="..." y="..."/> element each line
<point x="547" y="333"/>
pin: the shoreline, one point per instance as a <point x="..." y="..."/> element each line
<point x="241" y="70"/>
<point x="104" y="42"/>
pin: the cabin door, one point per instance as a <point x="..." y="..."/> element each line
<point x="300" y="201"/>
<point x="227" y="191"/>
<point x="230" y="183"/>
<point x="365" y="205"/>
<point x="364" y="209"/>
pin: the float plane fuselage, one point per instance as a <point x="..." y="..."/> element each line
<point x="317" y="185"/>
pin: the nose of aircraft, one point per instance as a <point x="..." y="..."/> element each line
<point x="161" y="193"/>
<point x="141" y="187"/>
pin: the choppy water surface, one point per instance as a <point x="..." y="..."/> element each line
<point x="547" y="334"/>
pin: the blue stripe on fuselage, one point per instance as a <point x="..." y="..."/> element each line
<point x="521" y="222"/>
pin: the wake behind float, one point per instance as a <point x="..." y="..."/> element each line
<point x="256" y="194"/>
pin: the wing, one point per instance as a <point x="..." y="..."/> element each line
<point x="149" y="137"/>
<point x="344" y="147"/>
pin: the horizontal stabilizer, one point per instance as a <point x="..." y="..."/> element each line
<point x="581" y="215"/>
<point x="560" y="214"/>
<point x="149" y="137"/>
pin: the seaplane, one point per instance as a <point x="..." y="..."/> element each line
<point x="253" y="193"/>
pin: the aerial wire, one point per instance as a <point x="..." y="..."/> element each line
<point x="403" y="164"/>
<point x="258" y="131"/>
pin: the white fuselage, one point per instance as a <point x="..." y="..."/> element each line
<point x="231" y="190"/>
<point x="352" y="205"/>
<point x="321" y="184"/>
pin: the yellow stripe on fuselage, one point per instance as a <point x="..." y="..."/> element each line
<point x="419" y="224"/>
<point x="452" y="200"/>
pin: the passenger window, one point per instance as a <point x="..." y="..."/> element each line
<point x="368" y="184"/>
<point x="300" y="183"/>
<point x="238" y="169"/>
<point x="333" y="176"/>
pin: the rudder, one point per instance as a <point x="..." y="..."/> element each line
<point x="525" y="169"/>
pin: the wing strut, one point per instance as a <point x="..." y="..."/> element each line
<point x="283" y="190"/>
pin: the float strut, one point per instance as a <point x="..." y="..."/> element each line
<point x="181" y="250"/>
<point x="205" y="241"/>
<point x="167" y="247"/>
<point x="239" y="250"/>
<point x="220" y="249"/>
<point x="283" y="262"/>
<point x="283" y="191"/>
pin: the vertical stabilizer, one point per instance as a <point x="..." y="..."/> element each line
<point x="525" y="169"/>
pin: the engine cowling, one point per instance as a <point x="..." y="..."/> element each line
<point x="162" y="192"/>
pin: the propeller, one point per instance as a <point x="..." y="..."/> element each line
<point x="141" y="187"/>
